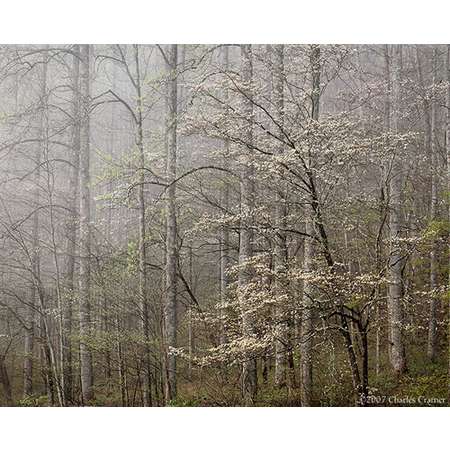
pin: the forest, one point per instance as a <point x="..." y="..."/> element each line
<point x="224" y="225"/>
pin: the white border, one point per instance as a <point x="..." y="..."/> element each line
<point x="223" y="428"/>
<point x="212" y="21"/>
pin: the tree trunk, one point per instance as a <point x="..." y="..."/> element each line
<point x="349" y="345"/>
<point x="309" y="251"/>
<point x="383" y="211"/>
<point x="143" y="289"/>
<point x="67" y="374"/>
<point x="249" y="375"/>
<point x="35" y="252"/>
<point x="170" y="310"/>
<point x="280" y="260"/>
<point x="4" y="380"/>
<point x="85" y="233"/>
<point x="56" y="372"/>
<point x="432" y="326"/>
<point x="120" y="363"/>
<point x="224" y="229"/>
<point x="395" y="297"/>
<point x="29" y="344"/>
<point x="307" y="315"/>
<point x="191" y="336"/>
<point x="30" y="314"/>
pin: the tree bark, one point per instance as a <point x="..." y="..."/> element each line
<point x="170" y="310"/>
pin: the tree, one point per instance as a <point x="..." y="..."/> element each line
<point x="170" y="310"/>
<point x="86" y="366"/>
<point x="432" y="327"/>
<point x="281" y="345"/>
<point x="310" y="219"/>
<point x="396" y="262"/>
<point x="249" y="375"/>
<point x="143" y="291"/>
<point x="72" y="223"/>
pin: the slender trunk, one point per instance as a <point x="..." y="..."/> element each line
<point x="378" y="265"/>
<point x="249" y="375"/>
<point x="30" y="314"/>
<point x="353" y="360"/>
<point x="71" y="246"/>
<point x="35" y="252"/>
<point x="56" y="372"/>
<point x="29" y="345"/>
<point x="377" y="337"/>
<point x="224" y="230"/>
<point x="121" y="367"/>
<point x="395" y="297"/>
<point x="386" y="168"/>
<point x="170" y="310"/>
<point x="85" y="234"/>
<point x="113" y="138"/>
<point x="53" y="373"/>
<point x="280" y="260"/>
<point x="432" y="326"/>
<point x="383" y="211"/>
<point x="49" y="363"/>
<point x="362" y="389"/>
<point x="307" y="315"/>
<point x="143" y="289"/>
<point x="224" y="264"/>
<point x="191" y="341"/>
<point x="365" y="363"/>
<point x="5" y="382"/>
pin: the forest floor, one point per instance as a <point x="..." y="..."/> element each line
<point x="424" y="384"/>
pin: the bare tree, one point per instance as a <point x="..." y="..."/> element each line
<point x="72" y="222"/>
